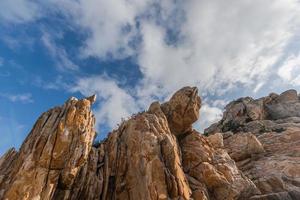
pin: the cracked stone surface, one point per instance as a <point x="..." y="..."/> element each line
<point x="51" y="156"/>
<point x="157" y="154"/>
<point x="263" y="137"/>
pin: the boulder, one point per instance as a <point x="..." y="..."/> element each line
<point x="182" y="110"/>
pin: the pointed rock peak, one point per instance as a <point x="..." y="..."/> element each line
<point x="52" y="155"/>
<point x="92" y="98"/>
<point x="72" y="99"/>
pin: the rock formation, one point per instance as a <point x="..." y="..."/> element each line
<point x="263" y="137"/>
<point x="157" y="154"/>
<point x="52" y="155"/>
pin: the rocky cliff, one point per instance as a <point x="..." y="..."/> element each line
<point x="263" y="137"/>
<point x="252" y="153"/>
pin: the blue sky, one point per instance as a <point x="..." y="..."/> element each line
<point x="133" y="52"/>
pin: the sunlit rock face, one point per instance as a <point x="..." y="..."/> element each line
<point x="182" y="110"/>
<point x="157" y="154"/>
<point x="51" y="156"/>
<point x="263" y="137"/>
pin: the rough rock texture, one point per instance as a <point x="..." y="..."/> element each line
<point x="242" y="146"/>
<point x="211" y="171"/>
<point x="157" y="154"/>
<point x="263" y="137"/>
<point x="51" y="156"/>
<point x="182" y="110"/>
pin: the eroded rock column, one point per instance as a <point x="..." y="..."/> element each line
<point x="52" y="154"/>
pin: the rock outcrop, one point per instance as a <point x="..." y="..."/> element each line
<point x="157" y="154"/>
<point x="263" y="137"/>
<point x="51" y="156"/>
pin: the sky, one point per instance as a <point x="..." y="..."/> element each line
<point x="133" y="52"/>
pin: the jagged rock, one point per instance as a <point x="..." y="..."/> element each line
<point x="239" y="114"/>
<point x="213" y="172"/>
<point x="142" y="161"/>
<point x="156" y="154"/>
<point x="275" y="171"/>
<point x="51" y="156"/>
<point x="5" y="164"/>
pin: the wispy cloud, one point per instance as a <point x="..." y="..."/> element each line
<point x="23" y="98"/>
<point x="58" y="53"/>
<point x="219" y="48"/>
<point x="58" y="83"/>
<point x="290" y="70"/>
<point x="17" y="42"/>
<point x="12" y="133"/>
<point x="111" y="25"/>
<point x="18" y="11"/>
<point x="216" y="45"/>
<point x="3" y="71"/>
<point x="1" y="61"/>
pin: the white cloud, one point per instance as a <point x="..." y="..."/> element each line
<point x="58" y="83"/>
<point x="23" y="98"/>
<point x="16" y="42"/>
<point x="222" y="44"/>
<point x="208" y="115"/>
<point x="290" y="70"/>
<point x="18" y="11"/>
<point x="115" y="103"/>
<point x="220" y="103"/>
<point x="215" y="45"/>
<point x="258" y="86"/>
<point x="219" y="44"/>
<point x="111" y="24"/>
<point x="59" y="54"/>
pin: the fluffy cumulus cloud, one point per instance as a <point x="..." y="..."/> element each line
<point x="290" y="70"/>
<point x="213" y="44"/>
<point x="111" y="24"/>
<point x="209" y="115"/>
<point x="223" y="43"/>
<point x="115" y="103"/>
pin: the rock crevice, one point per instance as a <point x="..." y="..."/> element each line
<point x="157" y="154"/>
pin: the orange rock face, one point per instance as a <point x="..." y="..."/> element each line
<point x="154" y="155"/>
<point x="51" y="156"/>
